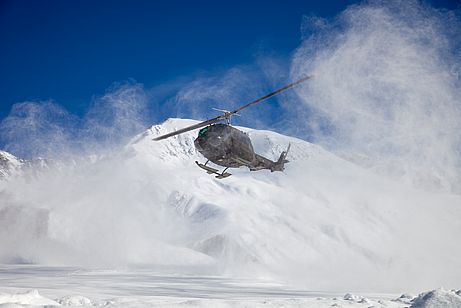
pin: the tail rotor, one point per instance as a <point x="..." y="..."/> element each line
<point x="280" y="163"/>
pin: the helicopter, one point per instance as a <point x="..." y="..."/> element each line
<point x="229" y="147"/>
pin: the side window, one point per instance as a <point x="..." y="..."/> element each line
<point x="203" y="131"/>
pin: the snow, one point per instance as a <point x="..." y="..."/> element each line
<point x="9" y="164"/>
<point x="75" y="301"/>
<point x="27" y="298"/>
<point x="211" y="292"/>
<point x="327" y="224"/>
<point x="437" y="299"/>
<point x="140" y="287"/>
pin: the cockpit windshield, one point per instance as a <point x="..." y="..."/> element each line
<point x="203" y="131"/>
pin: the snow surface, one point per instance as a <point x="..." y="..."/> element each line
<point x="141" y="287"/>
<point x="323" y="224"/>
<point x="9" y="164"/>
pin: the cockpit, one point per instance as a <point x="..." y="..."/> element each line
<point x="203" y="131"/>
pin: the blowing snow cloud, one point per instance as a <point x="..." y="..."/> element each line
<point x="387" y="89"/>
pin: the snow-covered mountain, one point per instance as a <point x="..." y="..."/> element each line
<point x="324" y="224"/>
<point x="9" y="164"/>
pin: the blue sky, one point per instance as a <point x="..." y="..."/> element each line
<point x="70" y="51"/>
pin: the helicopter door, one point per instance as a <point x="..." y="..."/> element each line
<point x="242" y="146"/>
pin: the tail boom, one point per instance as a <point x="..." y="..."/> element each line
<point x="264" y="163"/>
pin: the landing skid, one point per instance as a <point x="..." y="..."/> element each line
<point x="210" y="170"/>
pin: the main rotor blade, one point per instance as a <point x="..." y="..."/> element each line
<point x="192" y="127"/>
<point x="291" y="85"/>
<point x="227" y="115"/>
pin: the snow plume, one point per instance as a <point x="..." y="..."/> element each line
<point x="386" y="91"/>
<point x="30" y="127"/>
<point x="45" y="129"/>
<point x="118" y="115"/>
<point x="323" y="224"/>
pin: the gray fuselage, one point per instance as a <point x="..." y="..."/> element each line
<point x="225" y="145"/>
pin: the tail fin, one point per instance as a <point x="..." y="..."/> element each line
<point x="279" y="165"/>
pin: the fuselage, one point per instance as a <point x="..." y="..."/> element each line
<point x="225" y="145"/>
